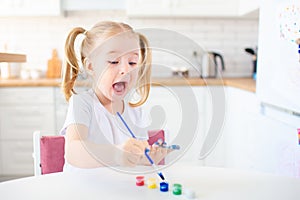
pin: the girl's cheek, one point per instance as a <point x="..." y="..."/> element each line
<point x="135" y="71"/>
<point x="134" y="79"/>
<point x="101" y="73"/>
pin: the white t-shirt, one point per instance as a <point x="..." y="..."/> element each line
<point x="104" y="127"/>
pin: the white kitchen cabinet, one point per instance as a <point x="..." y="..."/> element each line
<point x="165" y="105"/>
<point x="247" y="7"/>
<point x="213" y="150"/>
<point x="147" y="8"/>
<point x="189" y="8"/>
<point x="79" y="5"/>
<point x="30" y="8"/>
<point x="19" y="121"/>
<point x="22" y="111"/>
<point x="209" y="8"/>
<point x="16" y="157"/>
<point x="239" y="127"/>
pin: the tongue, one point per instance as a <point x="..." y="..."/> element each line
<point x="119" y="87"/>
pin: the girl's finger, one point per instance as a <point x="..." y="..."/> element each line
<point x="141" y="144"/>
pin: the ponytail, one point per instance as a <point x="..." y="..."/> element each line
<point x="71" y="66"/>
<point x="143" y="82"/>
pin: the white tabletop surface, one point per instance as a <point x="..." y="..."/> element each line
<point x="105" y="183"/>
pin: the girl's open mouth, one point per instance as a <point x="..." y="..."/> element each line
<point x="119" y="87"/>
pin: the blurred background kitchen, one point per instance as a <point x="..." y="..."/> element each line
<point x="36" y="27"/>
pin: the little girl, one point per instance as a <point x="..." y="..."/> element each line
<point x="118" y="60"/>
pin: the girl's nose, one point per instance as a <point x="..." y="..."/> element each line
<point x="124" y="68"/>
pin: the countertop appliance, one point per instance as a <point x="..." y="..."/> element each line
<point x="212" y="64"/>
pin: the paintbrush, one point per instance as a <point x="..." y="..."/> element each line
<point x="146" y="150"/>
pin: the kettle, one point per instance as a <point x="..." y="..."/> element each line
<point x="210" y="64"/>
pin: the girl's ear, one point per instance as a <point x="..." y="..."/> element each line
<point x="89" y="67"/>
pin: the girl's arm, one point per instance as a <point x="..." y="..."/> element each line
<point x="76" y="151"/>
<point x="83" y="153"/>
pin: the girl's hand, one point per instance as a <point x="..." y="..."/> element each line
<point x="156" y="153"/>
<point x="133" y="151"/>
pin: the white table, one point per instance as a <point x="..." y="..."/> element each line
<point x="104" y="183"/>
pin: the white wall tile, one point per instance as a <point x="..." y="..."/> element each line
<point x="38" y="36"/>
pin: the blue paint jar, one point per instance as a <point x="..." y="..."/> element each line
<point x="164" y="187"/>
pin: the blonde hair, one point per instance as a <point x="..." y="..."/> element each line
<point x="104" y="30"/>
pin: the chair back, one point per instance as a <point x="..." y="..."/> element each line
<point x="153" y="136"/>
<point x="52" y="154"/>
<point x="48" y="153"/>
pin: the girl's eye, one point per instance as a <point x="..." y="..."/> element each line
<point x="113" y="62"/>
<point x="132" y="63"/>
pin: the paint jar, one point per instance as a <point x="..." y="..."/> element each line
<point x="140" y="181"/>
<point x="151" y="183"/>
<point x="177" y="189"/>
<point x="189" y="194"/>
<point x="164" y="187"/>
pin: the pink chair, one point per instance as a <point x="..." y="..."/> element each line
<point x="153" y="136"/>
<point x="48" y="153"/>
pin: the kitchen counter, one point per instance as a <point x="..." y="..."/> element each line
<point x="247" y="84"/>
<point x="29" y="83"/>
<point x="242" y="83"/>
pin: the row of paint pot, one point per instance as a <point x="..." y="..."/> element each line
<point x="164" y="186"/>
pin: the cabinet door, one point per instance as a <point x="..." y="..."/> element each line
<point x="88" y="5"/>
<point x="248" y="7"/>
<point x="240" y="127"/>
<point x="19" y="122"/>
<point x="135" y="8"/>
<point x="193" y="152"/>
<point x="214" y="141"/>
<point x="166" y="106"/>
<point x="16" y="157"/>
<point x="189" y="8"/>
<point x="30" y="8"/>
<point x="26" y="96"/>
<point x="208" y="8"/>
<point x="23" y="110"/>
